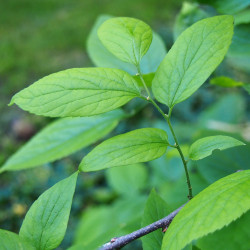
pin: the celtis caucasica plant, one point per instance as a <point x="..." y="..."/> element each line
<point x="88" y="101"/>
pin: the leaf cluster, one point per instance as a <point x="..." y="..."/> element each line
<point x="88" y="102"/>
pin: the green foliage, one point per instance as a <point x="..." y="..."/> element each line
<point x="128" y="180"/>
<point x="148" y="78"/>
<point x="224" y="81"/>
<point x="215" y="207"/>
<point x="46" y="221"/>
<point x="189" y="14"/>
<point x="205" y="146"/>
<point x="172" y="191"/>
<point x="234" y="236"/>
<point x="152" y="59"/>
<point x="247" y="88"/>
<point x="239" y="52"/>
<point x="192" y="59"/>
<point x="62" y="138"/>
<point x="242" y="17"/>
<point x="140" y="145"/>
<point x="13" y="241"/>
<point x="78" y="92"/>
<point x="223" y="163"/>
<point x="230" y="6"/>
<point x="127" y="38"/>
<point x="156" y="208"/>
<point x="101" y="57"/>
<point x="122" y="217"/>
<point x="129" y="53"/>
<point x="227" y="82"/>
<point x="233" y="102"/>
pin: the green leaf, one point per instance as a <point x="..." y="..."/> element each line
<point x="189" y="14"/>
<point x="101" y="57"/>
<point x="12" y="241"/>
<point x="239" y="52"/>
<point x="78" y="92"/>
<point x="155" y="209"/>
<point x="195" y="248"/>
<point x="224" y="81"/>
<point x="247" y="87"/>
<point x="174" y="191"/>
<point x="122" y="217"/>
<point x="205" y="146"/>
<point x="129" y="180"/>
<point x="223" y="163"/>
<point x="188" y="247"/>
<point x="140" y="145"/>
<point x="242" y="17"/>
<point x="148" y="78"/>
<point x="194" y="56"/>
<point x="154" y="56"/>
<point x="230" y="6"/>
<point x="230" y="108"/>
<point x="127" y="38"/>
<point x="234" y="236"/>
<point x="213" y="208"/>
<point x="46" y="221"/>
<point x="62" y="138"/>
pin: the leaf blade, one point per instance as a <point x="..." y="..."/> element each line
<point x="239" y="52"/>
<point x="155" y="209"/>
<point x="62" y="138"/>
<point x="205" y="146"/>
<point x="191" y="60"/>
<point x="121" y="217"/>
<point x="127" y="38"/>
<point x="154" y="56"/>
<point x="10" y="240"/>
<point x="128" y="180"/>
<point x="140" y="145"/>
<point x="215" y="207"/>
<point x="223" y="163"/>
<point x="46" y="221"/>
<point x="78" y="92"/>
<point x="226" y="82"/>
<point x="102" y="57"/>
<point x="238" y="233"/>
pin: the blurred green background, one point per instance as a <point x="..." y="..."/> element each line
<point x="41" y="37"/>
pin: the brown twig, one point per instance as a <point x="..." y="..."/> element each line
<point x="117" y="243"/>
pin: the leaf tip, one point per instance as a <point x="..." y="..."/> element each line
<point x="227" y="18"/>
<point x="12" y="101"/>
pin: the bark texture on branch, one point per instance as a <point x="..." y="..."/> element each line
<point x="117" y="243"/>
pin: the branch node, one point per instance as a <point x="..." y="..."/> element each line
<point x="113" y="240"/>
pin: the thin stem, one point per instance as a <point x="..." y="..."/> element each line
<point x="117" y="243"/>
<point x="167" y="118"/>
<point x="170" y="112"/>
<point x="190" y="195"/>
<point x="143" y="82"/>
